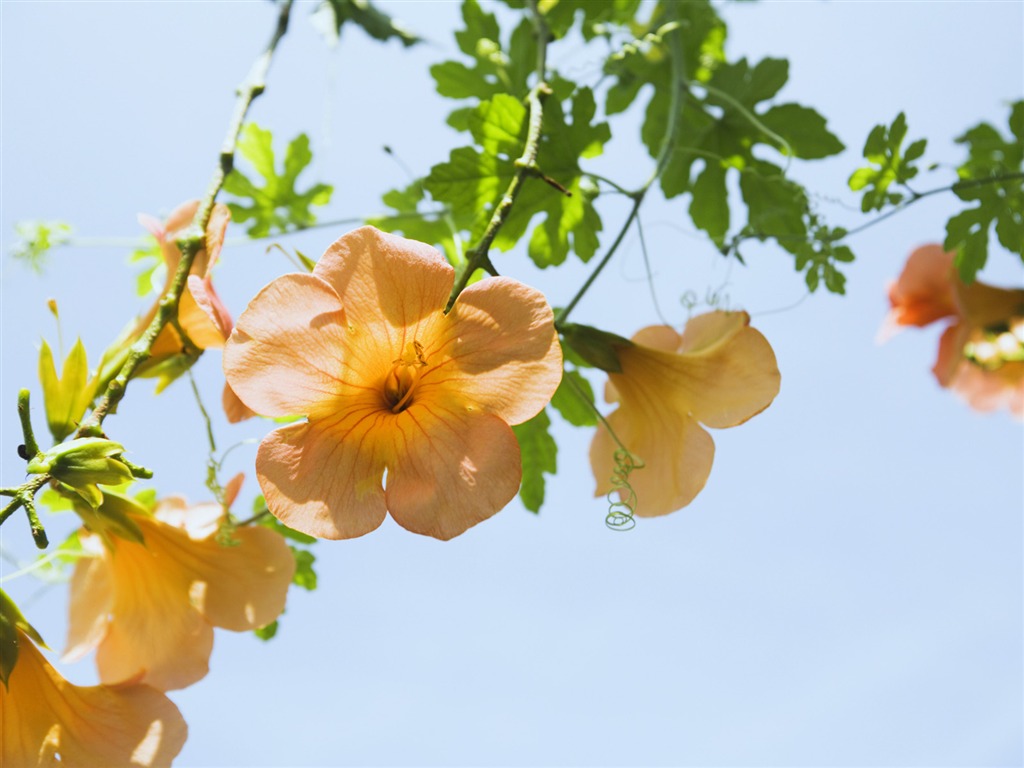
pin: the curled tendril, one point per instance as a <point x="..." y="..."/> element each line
<point x="622" y="507"/>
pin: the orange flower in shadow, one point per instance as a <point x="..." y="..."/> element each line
<point x="46" y="722"/>
<point x="981" y="353"/>
<point x="149" y="609"/>
<point x="388" y="382"/>
<point x="719" y="372"/>
<point x="201" y="314"/>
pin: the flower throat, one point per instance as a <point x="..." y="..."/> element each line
<point x="403" y="377"/>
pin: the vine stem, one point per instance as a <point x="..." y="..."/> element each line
<point x="668" y="142"/>
<point x="189" y="243"/>
<point x="193" y="239"/>
<point x="526" y="165"/>
<point x="914" y="198"/>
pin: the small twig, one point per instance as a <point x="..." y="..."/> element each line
<point x="189" y="243"/>
<point x="31" y="447"/>
<point x="526" y="165"/>
<point x="192" y="239"/>
<point x="664" y="153"/>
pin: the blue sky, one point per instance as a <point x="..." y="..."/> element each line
<point x="847" y="590"/>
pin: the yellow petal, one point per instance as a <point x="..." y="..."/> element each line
<point x="499" y="351"/>
<point x="325" y="480"/>
<point x="677" y="455"/>
<point x="457" y="467"/>
<point x="91" y="598"/>
<point x="241" y="586"/>
<point x="155" y="635"/>
<point x="47" y="721"/>
<point x="388" y="285"/>
<point x="724" y="374"/>
<point x="285" y="354"/>
<point x="202" y="315"/>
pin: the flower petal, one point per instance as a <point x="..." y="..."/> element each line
<point x="156" y="636"/>
<point x="724" y="374"/>
<point x="203" y="315"/>
<point x="502" y="352"/>
<point x="923" y="293"/>
<point x="234" y="408"/>
<point x="677" y="455"/>
<point x="982" y="304"/>
<point x="456" y="468"/>
<point x="45" y="718"/>
<point x="951" y="352"/>
<point x="284" y="356"/>
<point x="325" y="480"/>
<point x="91" y="598"/>
<point x="389" y="285"/>
<point x="243" y="585"/>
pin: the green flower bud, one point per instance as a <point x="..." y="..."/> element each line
<point x="83" y="464"/>
<point x="595" y="346"/>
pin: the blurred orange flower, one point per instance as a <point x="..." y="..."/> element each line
<point x="388" y="382"/>
<point x="719" y="372"/>
<point x="149" y="609"/>
<point x="981" y="353"/>
<point x="47" y="721"/>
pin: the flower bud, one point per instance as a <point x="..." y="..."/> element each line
<point x="82" y="464"/>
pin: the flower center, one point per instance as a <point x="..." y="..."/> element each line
<point x="997" y="345"/>
<point x="403" y="377"/>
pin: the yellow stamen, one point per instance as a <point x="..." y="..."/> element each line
<point x="404" y="376"/>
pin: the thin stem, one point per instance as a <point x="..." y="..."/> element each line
<point x="664" y="153"/>
<point x="38" y="532"/>
<point x="31" y="447"/>
<point x="914" y="198"/>
<point x="192" y="241"/>
<point x="212" y="481"/>
<point x="526" y="165"/>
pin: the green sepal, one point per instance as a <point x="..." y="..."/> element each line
<point x="82" y="464"/>
<point x="595" y="346"/>
<point x="113" y="516"/>
<point x="11" y="622"/>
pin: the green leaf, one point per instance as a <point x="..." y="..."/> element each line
<point x="416" y="218"/>
<point x="776" y="206"/>
<point x="361" y="13"/>
<point x="277" y="206"/>
<point x="539" y="457"/>
<point x="709" y="208"/>
<point x="967" y="235"/>
<point x="36" y="238"/>
<point x="574" y="400"/>
<point x="889" y="165"/>
<point x="471" y="183"/>
<point x="305" y="576"/>
<point x="804" y="130"/>
<point x="990" y="177"/>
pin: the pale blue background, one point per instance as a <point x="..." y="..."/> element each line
<point x="846" y="591"/>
